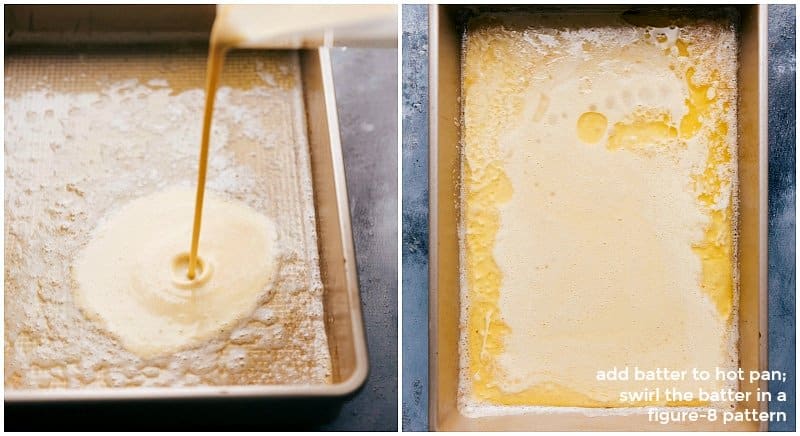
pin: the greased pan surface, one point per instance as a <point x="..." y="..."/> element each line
<point x="445" y="62"/>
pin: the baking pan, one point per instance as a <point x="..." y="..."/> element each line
<point x="53" y="26"/>
<point x="445" y="39"/>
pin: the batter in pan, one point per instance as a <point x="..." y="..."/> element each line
<point x="147" y="285"/>
<point x="599" y="200"/>
<point x="132" y="276"/>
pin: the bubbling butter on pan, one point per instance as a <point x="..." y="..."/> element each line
<point x="598" y="198"/>
<point x="117" y="140"/>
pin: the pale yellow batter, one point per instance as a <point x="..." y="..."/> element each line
<point x="599" y="180"/>
<point x="132" y="275"/>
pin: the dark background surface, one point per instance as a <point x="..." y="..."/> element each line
<point x="366" y="97"/>
<point x="415" y="217"/>
<point x="782" y="273"/>
<point x="365" y="82"/>
<point x="782" y="79"/>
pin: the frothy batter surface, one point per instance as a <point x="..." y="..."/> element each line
<point x="132" y="276"/>
<point x="599" y="200"/>
<point x="86" y="134"/>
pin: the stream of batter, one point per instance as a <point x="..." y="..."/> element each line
<point x="156" y="297"/>
<point x="288" y="26"/>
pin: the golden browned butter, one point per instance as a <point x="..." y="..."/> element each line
<point x="599" y="181"/>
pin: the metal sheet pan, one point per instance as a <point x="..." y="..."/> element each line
<point x="342" y="308"/>
<point x="445" y="39"/>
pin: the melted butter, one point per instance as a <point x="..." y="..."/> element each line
<point x="713" y="186"/>
<point x="698" y="103"/>
<point x="591" y="127"/>
<point x="641" y="132"/>
<point x="487" y="328"/>
<point x="682" y="47"/>
<point x="538" y="321"/>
